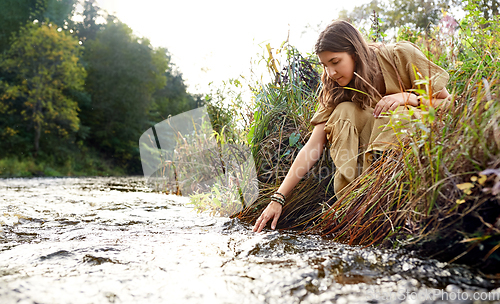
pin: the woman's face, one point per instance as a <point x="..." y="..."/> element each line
<point x="338" y="66"/>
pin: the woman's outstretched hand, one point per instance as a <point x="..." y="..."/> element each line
<point x="304" y="161"/>
<point x="272" y="211"/>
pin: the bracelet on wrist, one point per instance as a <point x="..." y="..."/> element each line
<point x="278" y="200"/>
<point x="280" y="194"/>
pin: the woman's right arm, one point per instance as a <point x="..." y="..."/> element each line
<point x="304" y="161"/>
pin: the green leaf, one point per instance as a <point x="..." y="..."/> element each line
<point x="293" y="139"/>
<point x="432" y="114"/>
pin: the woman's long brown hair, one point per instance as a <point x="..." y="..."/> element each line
<point x="341" y="36"/>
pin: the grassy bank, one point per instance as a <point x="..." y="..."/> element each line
<point x="88" y="164"/>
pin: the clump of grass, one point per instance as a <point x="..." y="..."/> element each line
<point x="214" y="169"/>
<point x="235" y="182"/>
<point x="13" y="167"/>
<point x="275" y="133"/>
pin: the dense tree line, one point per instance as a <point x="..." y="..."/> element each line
<point x="417" y="15"/>
<point x="67" y="87"/>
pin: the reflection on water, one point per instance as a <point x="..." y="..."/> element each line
<point x="111" y="240"/>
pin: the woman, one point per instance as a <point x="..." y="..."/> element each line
<point x="352" y="120"/>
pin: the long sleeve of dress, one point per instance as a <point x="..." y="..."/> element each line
<point x="403" y="63"/>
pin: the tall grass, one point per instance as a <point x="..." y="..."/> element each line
<point x="275" y="133"/>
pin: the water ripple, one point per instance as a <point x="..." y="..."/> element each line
<point x="112" y="240"/>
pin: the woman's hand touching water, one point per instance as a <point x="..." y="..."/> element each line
<point x="304" y="161"/>
<point x="272" y="211"/>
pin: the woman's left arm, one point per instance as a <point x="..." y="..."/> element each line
<point x="391" y="102"/>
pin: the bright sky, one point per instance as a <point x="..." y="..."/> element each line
<point x="215" y="40"/>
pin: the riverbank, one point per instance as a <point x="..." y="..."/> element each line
<point x="74" y="165"/>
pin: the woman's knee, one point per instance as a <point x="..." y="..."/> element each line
<point x="345" y="110"/>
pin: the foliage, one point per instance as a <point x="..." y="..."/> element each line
<point x="130" y="86"/>
<point x="15" y="13"/>
<point x="235" y="183"/>
<point x="228" y="113"/>
<point x="360" y="15"/>
<point x="416" y="16"/>
<point x="123" y="73"/>
<point x="283" y="107"/>
<point x="214" y="165"/>
<point x="438" y="192"/>
<point x="488" y="8"/>
<point x="88" y="29"/>
<point x="198" y="161"/>
<point x="82" y="163"/>
<point x="290" y="99"/>
<point x="59" y="12"/>
<point x="44" y="64"/>
<point x="376" y="33"/>
<point x="435" y="188"/>
<point x="478" y="47"/>
<point x="173" y="98"/>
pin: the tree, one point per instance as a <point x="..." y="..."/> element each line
<point x="123" y="73"/>
<point x="59" y="12"/>
<point x="489" y="8"/>
<point x="43" y="63"/>
<point x="418" y="15"/>
<point x="361" y="14"/>
<point x="15" y="13"/>
<point x="88" y="29"/>
<point x="173" y="98"/>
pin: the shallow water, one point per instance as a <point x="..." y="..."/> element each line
<point x="112" y="240"/>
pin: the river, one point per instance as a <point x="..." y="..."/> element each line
<point x="113" y="240"/>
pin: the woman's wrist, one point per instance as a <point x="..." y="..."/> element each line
<point x="278" y="199"/>
<point x="273" y="202"/>
<point x="279" y="194"/>
<point x="411" y="99"/>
